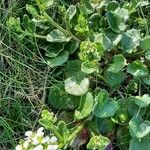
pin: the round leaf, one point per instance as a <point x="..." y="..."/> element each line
<point x="59" y="60"/>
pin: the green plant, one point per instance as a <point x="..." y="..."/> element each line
<point x="98" y="53"/>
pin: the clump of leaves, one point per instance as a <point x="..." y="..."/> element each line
<point x="100" y="53"/>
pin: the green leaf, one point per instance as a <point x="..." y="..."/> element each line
<point x="73" y="69"/>
<point x="57" y="36"/>
<point x="139" y="144"/>
<point x="89" y="67"/>
<point x="137" y="69"/>
<point x="85" y="7"/>
<point x="14" y="24"/>
<point x="98" y="143"/>
<point x="122" y="13"/>
<point x="112" y="5"/>
<point x="62" y="129"/>
<point x="85" y="108"/>
<point x="133" y="109"/>
<point x="142" y="101"/>
<point x="105" y="125"/>
<point x="118" y="65"/>
<point x="102" y="38"/>
<point x="32" y="10"/>
<point x="134" y="125"/>
<point x="146" y="80"/>
<point x="58" y="98"/>
<point x="145" y="43"/>
<point x="71" y="11"/>
<point x="95" y="21"/>
<point x="105" y="107"/>
<point x="28" y="25"/>
<point x="44" y="4"/>
<point x="54" y="49"/>
<point x="130" y="40"/>
<point x="47" y="119"/>
<point x="71" y="46"/>
<point x="115" y="22"/>
<point x="123" y="141"/>
<point x="59" y="60"/>
<point x="82" y="26"/>
<point x="114" y="80"/>
<point x="139" y="128"/>
<point x="147" y="54"/>
<point x="77" y="89"/>
<point x="126" y="43"/>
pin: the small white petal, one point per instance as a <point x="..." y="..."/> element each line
<point x="19" y="147"/>
<point x="40" y="129"/>
<point x="26" y="144"/>
<point x="52" y="147"/>
<point x="53" y="139"/>
<point x="46" y="140"/>
<point x="28" y="133"/>
<point x="39" y="147"/>
<point x="39" y="134"/>
<point x="35" y="141"/>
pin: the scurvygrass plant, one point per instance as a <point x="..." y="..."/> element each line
<point x="97" y="53"/>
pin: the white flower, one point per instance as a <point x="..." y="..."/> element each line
<point x="53" y="139"/>
<point x="19" y="147"/>
<point x="46" y="140"/>
<point x="39" y="134"/>
<point x="52" y="147"/>
<point x="35" y="141"/>
<point x="26" y="144"/>
<point x="29" y="133"/>
<point x="40" y="129"/>
<point x="39" y="147"/>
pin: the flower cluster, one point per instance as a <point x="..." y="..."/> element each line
<point x="37" y="141"/>
<point x="90" y="51"/>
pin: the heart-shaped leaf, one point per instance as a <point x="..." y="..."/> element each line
<point x="77" y="89"/>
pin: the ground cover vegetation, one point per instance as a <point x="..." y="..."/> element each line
<point x="74" y="74"/>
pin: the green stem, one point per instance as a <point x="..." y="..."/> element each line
<point x="39" y="36"/>
<point x="67" y="33"/>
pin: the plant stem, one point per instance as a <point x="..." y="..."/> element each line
<point x="67" y="33"/>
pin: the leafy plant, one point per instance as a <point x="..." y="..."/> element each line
<point x="97" y="53"/>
